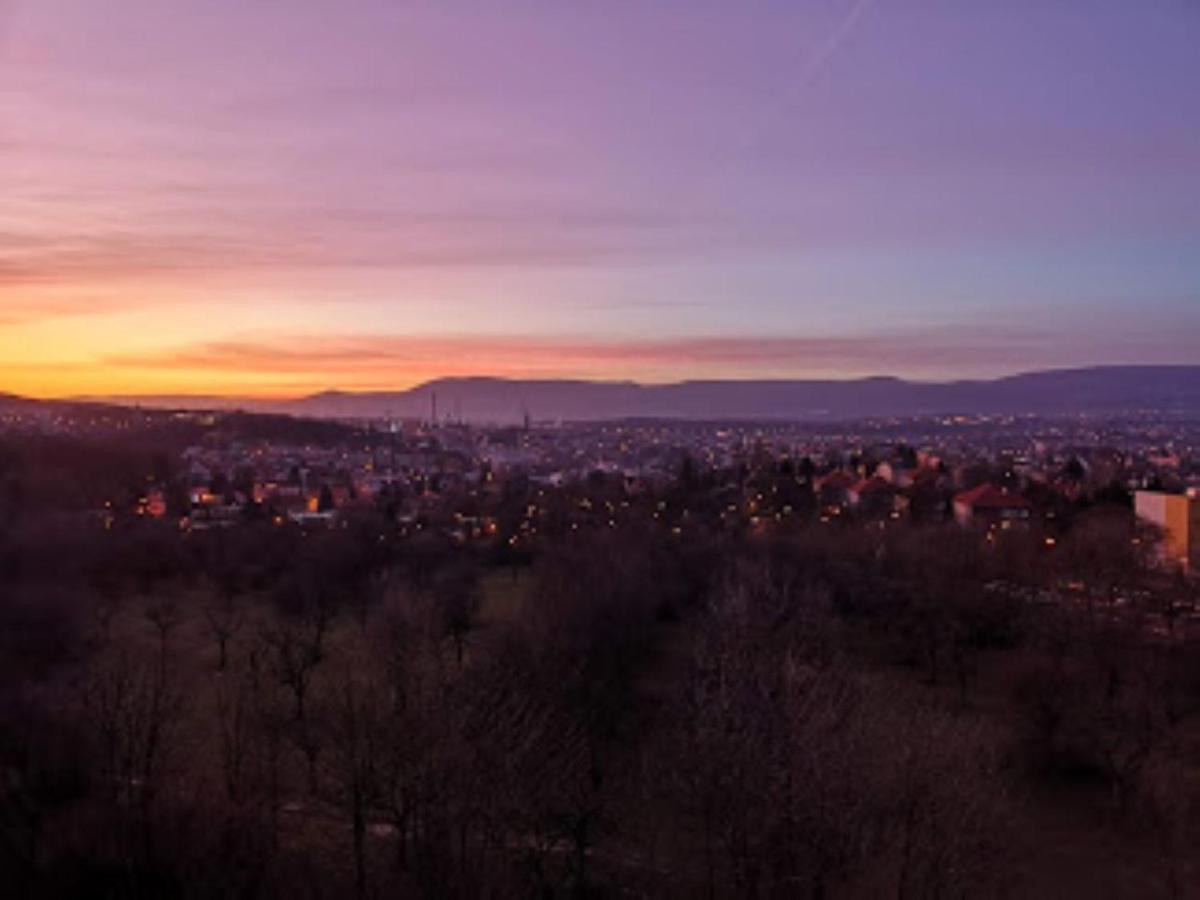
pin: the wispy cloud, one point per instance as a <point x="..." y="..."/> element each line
<point x="301" y="238"/>
<point x="361" y="361"/>
<point x="25" y="310"/>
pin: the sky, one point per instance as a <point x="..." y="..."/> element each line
<point x="277" y="197"/>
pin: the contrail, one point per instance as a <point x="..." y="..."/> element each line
<point x="825" y="52"/>
<point x="817" y="61"/>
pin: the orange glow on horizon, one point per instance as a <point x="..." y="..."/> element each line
<point x="94" y="359"/>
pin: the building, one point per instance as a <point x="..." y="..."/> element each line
<point x="1178" y="515"/>
<point x="833" y="491"/>
<point x="896" y="473"/>
<point x="876" y="496"/>
<point x="992" y="507"/>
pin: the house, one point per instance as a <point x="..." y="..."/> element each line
<point x="896" y="473"/>
<point x="1178" y="515"/>
<point x="153" y="504"/>
<point x="929" y="496"/>
<point x="992" y="507"/>
<point x="833" y="491"/>
<point x="875" y="496"/>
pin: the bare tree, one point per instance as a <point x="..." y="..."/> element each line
<point x="356" y="724"/>
<point x="134" y="710"/>
<point x="225" y="617"/>
<point x="456" y="594"/>
<point x="235" y="724"/>
<point x="952" y="818"/>
<point x="165" y="615"/>
<point x="803" y="775"/>
<point x="295" y="647"/>
<point x="1169" y="808"/>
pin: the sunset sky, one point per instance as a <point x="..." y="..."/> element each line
<point x="282" y="196"/>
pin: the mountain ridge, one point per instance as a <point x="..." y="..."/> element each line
<point x="1096" y="390"/>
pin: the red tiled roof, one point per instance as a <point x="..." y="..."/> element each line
<point x="874" y="485"/>
<point x="838" y="479"/>
<point x="926" y="476"/>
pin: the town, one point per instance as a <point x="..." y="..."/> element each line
<point x="505" y="485"/>
<point x="503" y="490"/>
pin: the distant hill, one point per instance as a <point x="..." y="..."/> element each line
<point x="210" y="402"/>
<point x="1099" y="390"/>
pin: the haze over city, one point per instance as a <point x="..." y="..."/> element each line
<point x="271" y="199"/>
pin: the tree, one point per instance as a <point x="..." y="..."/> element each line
<point x="802" y="774"/>
<point x="952" y="816"/>
<point x="1106" y="550"/>
<point x="456" y="594"/>
<point x="356" y="723"/>
<point x="165" y="615"/>
<point x="1169" y="808"/>
<point x="133" y="710"/>
<point x="225" y="617"/>
<point x="295" y="649"/>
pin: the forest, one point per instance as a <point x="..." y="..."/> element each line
<point x="834" y="711"/>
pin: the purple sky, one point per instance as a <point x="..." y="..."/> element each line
<point x="275" y="197"/>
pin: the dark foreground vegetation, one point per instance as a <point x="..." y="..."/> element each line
<point x="832" y="710"/>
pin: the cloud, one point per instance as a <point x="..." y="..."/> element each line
<point x="26" y="310"/>
<point x="296" y="238"/>
<point x="376" y="362"/>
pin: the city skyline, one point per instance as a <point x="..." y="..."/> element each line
<point x="226" y="199"/>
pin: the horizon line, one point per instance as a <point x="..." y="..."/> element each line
<point x="296" y="397"/>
